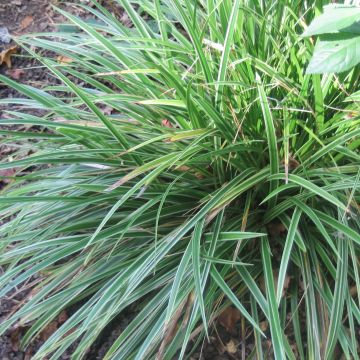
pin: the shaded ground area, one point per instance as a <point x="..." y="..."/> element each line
<point x="19" y="17"/>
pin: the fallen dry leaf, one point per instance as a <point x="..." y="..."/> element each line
<point x="28" y="353"/>
<point x="293" y="163"/>
<point x="53" y="326"/>
<point x="63" y="60"/>
<point x="15" y="339"/>
<point x="213" y="213"/>
<point x="170" y="330"/>
<point x="107" y="110"/>
<point x="290" y="164"/>
<point x="120" y="182"/>
<point x="4" y="35"/>
<point x="275" y="229"/>
<point x="183" y="168"/>
<point x="5" y="55"/>
<point x="228" y="319"/>
<point x="69" y="332"/>
<point x="353" y="290"/>
<point x="351" y="115"/>
<point x="218" y="344"/>
<point x="166" y="123"/>
<point x="63" y="316"/>
<point x="77" y="122"/>
<point x="199" y="175"/>
<point x="15" y="73"/>
<point x="286" y="284"/>
<point x="5" y="174"/>
<point x="24" y="320"/>
<point x="264" y="325"/>
<point x="49" y="330"/>
<point x="26" y="22"/>
<point x="231" y="347"/>
<point x="189" y="305"/>
<point x="287" y="281"/>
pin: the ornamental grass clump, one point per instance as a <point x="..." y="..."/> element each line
<point x="188" y="164"/>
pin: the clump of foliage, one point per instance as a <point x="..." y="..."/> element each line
<point x="191" y="164"/>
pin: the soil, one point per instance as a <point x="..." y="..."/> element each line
<point x="20" y="17"/>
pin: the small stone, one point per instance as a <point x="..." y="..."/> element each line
<point x="4" y="35"/>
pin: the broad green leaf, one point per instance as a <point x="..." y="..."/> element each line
<point x="335" y="53"/>
<point x="335" y="18"/>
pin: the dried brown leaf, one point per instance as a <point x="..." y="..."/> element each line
<point x="170" y="330"/>
<point x="63" y="316"/>
<point x="293" y="163"/>
<point x="107" y="110"/>
<point x="28" y="353"/>
<point x="183" y="168"/>
<point x="118" y="183"/>
<point x="15" y="73"/>
<point x="15" y="339"/>
<point x="189" y="304"/>
<point x="69" y="332"/>
<point x="5" y="174"/>
<point x="276" y="229"/>
<point x="214" y="212"/>
<point x="49" y="330"/>
<point x="166" y="123"/>
<point x="286" y="283"/>
<point x="199" y="175"/>
<point x="63" y="60"/>
<point x="24" y="320"/>
<point x="231" y="347"/>
<point x="264" y="325"/>
<point x="353" y="290"/>
<point x="53" y="326"/>
<point x="228" y="319"/>
<point x="5" y="55"/>
<point x="26" y="22"/>
<point x="78" y="122"/>
<point x="218" y="344"/>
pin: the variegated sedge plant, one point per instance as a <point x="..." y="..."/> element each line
<point x="172" y="147"/>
